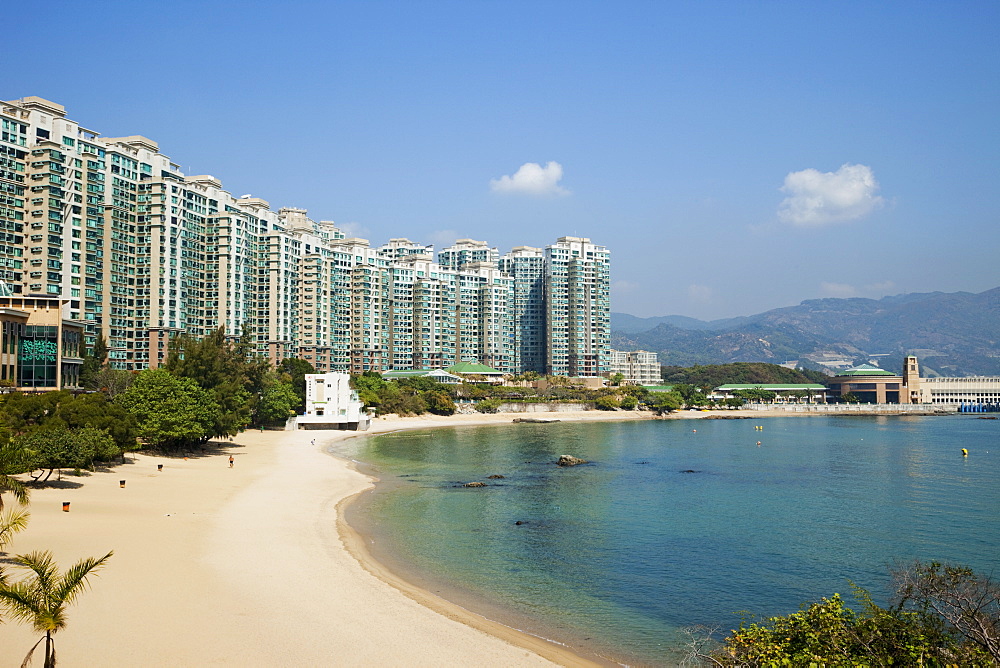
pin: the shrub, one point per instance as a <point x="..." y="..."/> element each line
<point x="607" y="404"/>
<point x="439" y="403"/>
<point x="488" y="406"/>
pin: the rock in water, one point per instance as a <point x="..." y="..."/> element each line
<point x="474" y="484"/>
<point x="570" y="460"/>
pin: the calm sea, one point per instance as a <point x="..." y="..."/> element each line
<point x="677" y="523"/>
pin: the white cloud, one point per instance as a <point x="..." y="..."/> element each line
<point x="841" y="290"/>
<point x="816" y="198"/>
<point x="532" y="179"/>
<point x="353" y="229"/>
<point x="624" y="287"/>
<point x="443" y="238"/>
<point x="881" y="289"/>
<point x="700" y="293"/>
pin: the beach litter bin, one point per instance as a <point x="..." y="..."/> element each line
<point x="65" y="506"/>
<point x="159" y="467"/>
<point x="121" y="483"/>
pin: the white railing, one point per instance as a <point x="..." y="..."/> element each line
<point x="852" y="408"/>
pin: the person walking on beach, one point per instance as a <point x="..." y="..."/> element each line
<point x="231" y="460"/>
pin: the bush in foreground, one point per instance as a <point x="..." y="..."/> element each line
<point x="941" y="616"/>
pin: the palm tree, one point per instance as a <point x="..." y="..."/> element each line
<point x="42" y="597"/>
<point x="12" y="522"/>
<point x="12" y="461"/>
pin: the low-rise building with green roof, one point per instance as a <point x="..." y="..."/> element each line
<point x="434" y="374"/>
<point x="869" y="384"/>
<point x="784" y="392"/>
<point x="467" y="369"/>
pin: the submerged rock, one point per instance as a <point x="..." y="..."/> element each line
<point x="570" y="460"/>
<point x="474" y="484"/>
<point x="495" y="476"/>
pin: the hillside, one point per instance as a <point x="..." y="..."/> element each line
<point x="748" y="373"/>
<point x="952" y="333"/>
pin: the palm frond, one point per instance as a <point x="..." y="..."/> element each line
<point x="27" y="659"/>
<point x="12" y="522"/>
<point x="20" y="601"/>
<point x="42" y="565"/>
<point x="74" y="580"/>
<point x="15" y="487"/>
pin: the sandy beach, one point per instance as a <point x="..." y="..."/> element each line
<point x="249" y="566"/>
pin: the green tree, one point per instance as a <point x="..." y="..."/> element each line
<point x="629" y="403"/>
<point x="93" y="362"/>
<point x="23" y="412"/>
<point x="297" y="369"/>
<point x="755" y="395"/>
<point x="55" y="447"/>
<point x="41" y="598"/>
<point x="969" y="603"/>
<point x="370" y="386"/>
<point x="637" y="391"/>
<point x="227" y="370"/>
<point x="170" y="412"/>
<point x="404" y="403"/>
<point x="800" y="395"/>
<point x="96" y="410"/>
<point x="664" y="402"/>
<point x="113" y="382"/>
<point x="438" y="402"/>
<point x="488" y="405"/>
<point x="690" y="394"/>
<point x="741" y="373"/>
<point x="607" y="403"/>
<point x="941" y="616"/>
<point x="277" y="404"/>
<point x="829" y="633"/>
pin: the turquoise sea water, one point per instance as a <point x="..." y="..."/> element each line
<point x="681" y="522"/>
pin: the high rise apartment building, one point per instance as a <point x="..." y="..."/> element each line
<point x="467" y="251"/>
<point x="526" y="267"/>
<point x="578" y="307"/>
<point x="639" y="367"/>
<point x="142" y="252"/>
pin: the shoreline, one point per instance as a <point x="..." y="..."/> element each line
<point x="246" y="566"/>
<point x="255" y="565"/>
<point x="456" y="602"/>
<point x="472" y="611"/>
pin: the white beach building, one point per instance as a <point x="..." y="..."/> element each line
<point x="332" y="404"/>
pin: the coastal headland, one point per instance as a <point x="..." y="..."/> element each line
<point x="254" y="566"/>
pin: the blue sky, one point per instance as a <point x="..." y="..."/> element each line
<point x="734" y="156"/>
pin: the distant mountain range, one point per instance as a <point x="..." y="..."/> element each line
<point x="953" y="334"/>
